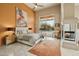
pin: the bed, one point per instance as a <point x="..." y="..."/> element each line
<point x="29" y="39"/>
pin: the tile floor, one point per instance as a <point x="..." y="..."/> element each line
<point x="69" y="52"/>
<point x="16" y="49"/>
<point x="19" y="49"/>
<point x="70" y="49"/>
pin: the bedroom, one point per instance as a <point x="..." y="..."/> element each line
<point x="31" y="26"/>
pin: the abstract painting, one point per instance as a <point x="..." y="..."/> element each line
<point x="21" y="21"/>
<point x="21" y="18"/>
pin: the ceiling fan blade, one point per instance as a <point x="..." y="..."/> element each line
<point x="35" y="3"/>
<point x="40" y="5"/>
<point x="37" y="6"/>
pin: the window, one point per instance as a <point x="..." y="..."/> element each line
<point x="47" y="24"/>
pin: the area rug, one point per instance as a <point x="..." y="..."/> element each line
<point x="47" y="48"/>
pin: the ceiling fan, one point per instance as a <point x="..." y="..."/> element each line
<point x="37" y="5"/>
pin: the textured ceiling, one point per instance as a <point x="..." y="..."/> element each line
<point x="45" y="5"/>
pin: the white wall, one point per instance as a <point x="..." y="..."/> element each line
<point x="69" y="15"/>
<point x="77" y="21"/>
<point x="77" y="11"/>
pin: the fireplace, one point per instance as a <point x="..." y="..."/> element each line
<point x="70" y="35"/>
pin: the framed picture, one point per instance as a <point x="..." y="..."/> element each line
<point x="21" y="22"/>
<point x="21" y="16"/>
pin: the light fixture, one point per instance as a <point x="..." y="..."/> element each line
<point x="35" y="6"/>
